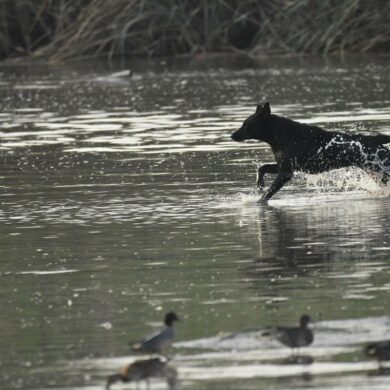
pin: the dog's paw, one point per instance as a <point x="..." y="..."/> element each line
<point x="262" y="200"/>
<point x="265" y="197"/>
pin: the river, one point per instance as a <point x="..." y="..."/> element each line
<point x="123" y="197"/>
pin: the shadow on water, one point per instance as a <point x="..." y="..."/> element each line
<point x="382" y="371"/>
<point x="145" y="370"/>
<point x="300" y="359"/>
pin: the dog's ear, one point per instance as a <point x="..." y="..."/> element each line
<point x="259" y="109"/>
<point x="266" y="109"/>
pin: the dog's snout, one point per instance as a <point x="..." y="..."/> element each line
<point x="236" y="137"/>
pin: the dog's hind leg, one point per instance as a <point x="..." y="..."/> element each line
<point x="263" y="169"/>
<point x="278" y="183"/>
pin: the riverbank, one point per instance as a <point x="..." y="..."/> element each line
<point x="73" y="29"/>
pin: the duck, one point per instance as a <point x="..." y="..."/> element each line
<point x="142" y="370"/>
<point x="380" y="350"/>
<point x="295" y="336"/>
<point x="159" y="340"/>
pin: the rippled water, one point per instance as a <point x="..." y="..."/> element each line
<point x="122" y="198"/>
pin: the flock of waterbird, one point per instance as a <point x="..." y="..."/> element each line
<point x="157" y="342"/>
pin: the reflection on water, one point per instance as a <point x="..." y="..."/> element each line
<point x="122" y="198"/>
<point x="144" y="370"/>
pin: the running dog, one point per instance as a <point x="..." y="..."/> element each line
<point x="311" y="149"/>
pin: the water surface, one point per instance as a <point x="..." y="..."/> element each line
<point x="123" y="198"/>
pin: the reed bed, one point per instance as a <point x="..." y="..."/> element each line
<point x="59" y="30"/>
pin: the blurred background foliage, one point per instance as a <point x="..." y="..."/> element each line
<point x="58" y="30"/>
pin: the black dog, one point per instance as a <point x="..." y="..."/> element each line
<point x="300" y="147"/>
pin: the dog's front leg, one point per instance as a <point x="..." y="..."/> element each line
<point x="278" y="183"/>
<point x="263" y="169"/>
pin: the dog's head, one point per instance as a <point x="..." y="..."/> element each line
<point x="255" y="125"/>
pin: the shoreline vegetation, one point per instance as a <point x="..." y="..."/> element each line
<point x="62" y="30"/>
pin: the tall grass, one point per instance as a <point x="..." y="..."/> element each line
<point x="58" y="30"/>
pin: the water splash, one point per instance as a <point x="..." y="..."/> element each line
<point x="345" y="180"/>
<point x="245" y="198"/>
<point x="375" y="158"/>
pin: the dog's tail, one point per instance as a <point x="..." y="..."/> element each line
<point x="379" y="139"/>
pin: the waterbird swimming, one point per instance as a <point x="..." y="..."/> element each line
<point x="380" y="350"/>
<point x="143" y="370"/>
<point x="160" y="339"/>
<point x="295" y="336"/>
